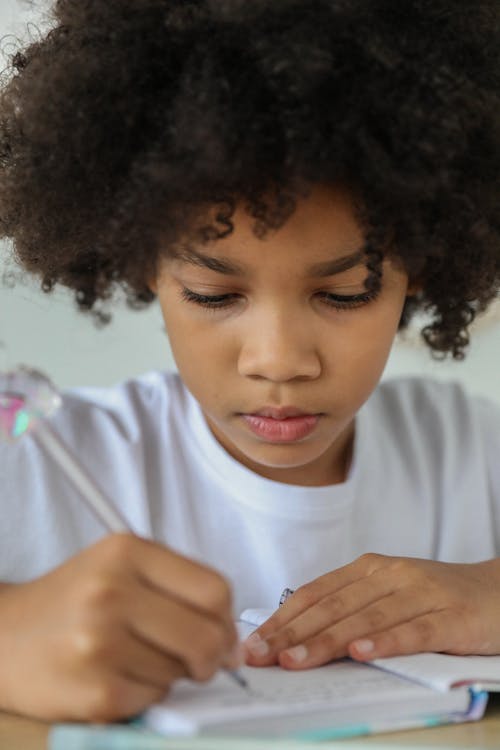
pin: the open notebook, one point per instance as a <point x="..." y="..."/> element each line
<point x="341" y="699"/>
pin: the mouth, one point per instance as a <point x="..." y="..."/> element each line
<point x="285" y="424"/>
<point x="280" y="412"/>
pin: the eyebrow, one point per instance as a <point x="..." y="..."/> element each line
<point x="332" y="267"/>
<point x="230" y="268"/>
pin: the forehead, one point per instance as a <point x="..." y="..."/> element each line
<point x="322" y="236"/>
<point x="326" y="215"/>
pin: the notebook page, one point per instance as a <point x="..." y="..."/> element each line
<point x="251" y="619"/>
<point x="255" y="616"/>
<point x="444" y="671"/>
<point x="275" y="691"/>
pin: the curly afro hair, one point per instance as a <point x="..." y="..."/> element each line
<point x="129" y="121"/>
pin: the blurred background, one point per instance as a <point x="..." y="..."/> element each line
<point x="47" y="332"/>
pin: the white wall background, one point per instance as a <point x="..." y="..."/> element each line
<point x="47" y="332"/>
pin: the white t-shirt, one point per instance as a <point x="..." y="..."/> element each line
<point x="424" y="482"/>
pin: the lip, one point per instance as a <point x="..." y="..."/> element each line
<point x="280" y="412"/>
<point x="281" y="424"/>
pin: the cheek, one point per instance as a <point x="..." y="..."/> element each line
<point x="363" y="347"/>
<point x="200" y="350"/>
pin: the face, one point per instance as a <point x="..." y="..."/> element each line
<point x="278" y="339"/>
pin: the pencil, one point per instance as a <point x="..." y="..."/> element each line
<point x="93" y="496"/>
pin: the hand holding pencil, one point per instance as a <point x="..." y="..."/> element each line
<point x="113" y="627"/>
<point x="110" y="630"/>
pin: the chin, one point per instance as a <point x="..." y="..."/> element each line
<point x="282" y="459"/>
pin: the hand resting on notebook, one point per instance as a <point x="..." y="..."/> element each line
<point x="380" y="606"/>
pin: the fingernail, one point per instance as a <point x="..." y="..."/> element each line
<point x="364" y="646"/>
<point x="297" y="653"/>
<point x="256" y="645"/>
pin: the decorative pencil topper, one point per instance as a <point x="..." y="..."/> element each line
<point x="27" y="398"/>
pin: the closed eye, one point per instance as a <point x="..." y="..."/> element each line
<point x="347" y="301"/>
<point x="213" y="301"/>
<point x="337" y="301"/>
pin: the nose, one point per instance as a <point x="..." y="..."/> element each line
<point x="279" y="348"/>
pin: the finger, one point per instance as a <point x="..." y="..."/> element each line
<point x="150" y="666"/>
<point x="126" y="653"/>
<point x="333" y="608"/>
<point x="328" y="584"/>
<point x="333" y="642"/>
<point x="201" y="643"/>
<point x="429" y="632"/>
<point x="161" y="568"/>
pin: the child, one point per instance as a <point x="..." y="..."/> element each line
<point x="292" y="180"/>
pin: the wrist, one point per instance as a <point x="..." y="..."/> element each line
<point x="7" y="702"/>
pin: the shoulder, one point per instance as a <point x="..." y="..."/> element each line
<point x="427" y="398"/>
<point x="441" y="412"/>
<point x="148" y="390"/>
<point x="127" y="408"/>
<point x="112" y="425"/>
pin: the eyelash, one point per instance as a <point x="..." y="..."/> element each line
<point x="337" y="301"/>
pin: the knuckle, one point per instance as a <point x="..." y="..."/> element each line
<point x="332" y="605"/>
<point x="89" y="645"/>
<point x="370" y="561"/>
<point x="119" y="548"/>
<point x="286" y="637"/>
<point x="100" y="593"/>
<point x="217" y="594"/>
<point x="406" y="568"/>
<point x="375" y="618"/>
<point x="326" y="642"/>
<point x="105" y="700"/>
<point x="308" y="594"/>
<point x="425" y="631"/>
